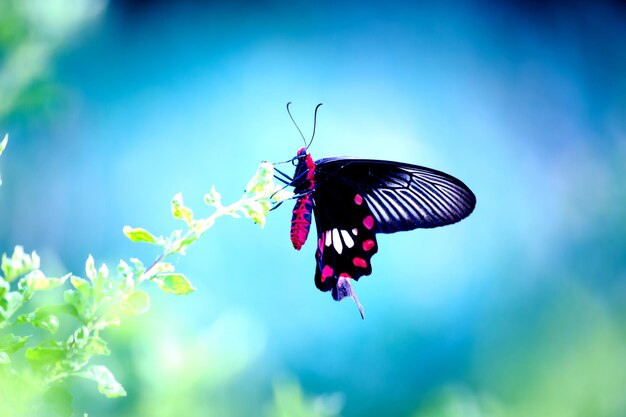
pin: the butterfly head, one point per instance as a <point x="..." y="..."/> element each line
<point x="302" y="153"/>
<point x="301" y="160"/>
<point x="305" y="169"/>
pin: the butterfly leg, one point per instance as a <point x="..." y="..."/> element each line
<point x="293" y="197"/>
<point x="276" y="205"/>
<point x="287" y="183"/>
<point x="342" y="289"/>
<point x="286" y="178"/>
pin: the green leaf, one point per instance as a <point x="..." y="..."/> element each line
<point x="179" y="211"/>
<point x="180" y="246"/>
<point x="263" y="176"/>
<point x="37" y="281"/>
<point x="46" y="354"/>
<point x="138" y="265"/>
<point x="79" y="338"/>
<point x="127" y="275"/>
<point x="90" y="268"/>
<point x="174" y="284"/>
<point x="109" y="319"/>
<point x="43" y="317"/>
<point x="11" y="302"/>
<point x="256" y="210"/>
<point x="82" y="285"/>
<point x="202" y="225"/>
<point x="81" y="304"/>
<point x="96" y="346"/>
<point x="18" y="264"/>
<point x="4" y="287"/>
<point x="213" y="198"/>
<point x="100" y="283"/>
<point x="107" y="384"/>
<point x="138" y="234"/>
<point x="263" y="188"/>
<point x="138" y="302"/>
<point x="103" y="272"/>
<point x="11" y="343"/>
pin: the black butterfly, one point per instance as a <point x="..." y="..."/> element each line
<point x="354" y="199"/>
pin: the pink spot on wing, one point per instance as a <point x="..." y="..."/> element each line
<point x="359" y="262"/>
<point x="368" y="244"/>
<point x="368" y="222"/>
<point x="358" y="200"/>
<point x="327" y="271"/>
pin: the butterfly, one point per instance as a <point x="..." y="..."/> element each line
<point x="352" y="200"/>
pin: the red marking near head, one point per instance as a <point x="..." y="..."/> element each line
<point x="327" y="272"/>
<point x="359" y="262"/>
<point x="344" y="275"/>
<point x="368" y="222"/>
<point x="368" y="244"/>
<point x="310" y="164"/>
<point x="358" y="200"/>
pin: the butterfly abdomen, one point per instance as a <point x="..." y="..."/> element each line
<point x="304" y="184"/>
<point x="301" y="221"/>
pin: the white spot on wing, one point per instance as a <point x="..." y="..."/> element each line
<point x="337" y="241"/>
<point x="328" y="239"/>
<point x="355" y="231"/>
<point x="347" y="239"/>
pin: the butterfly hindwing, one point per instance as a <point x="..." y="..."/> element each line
<point x="346" y="239"/>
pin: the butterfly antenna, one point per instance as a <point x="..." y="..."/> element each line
<point x="295" y="124"/>
<point x="314" y="124"/>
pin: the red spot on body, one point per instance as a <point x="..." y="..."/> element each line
<point x="359" y="262"/>
<point x="368" y="244"/>
<point x="358" y="200"/>
<point x="301" y="221"/>
<point x="368" y="222"/>
<point x="310" y="164"/>
<point x="327" y="272"/>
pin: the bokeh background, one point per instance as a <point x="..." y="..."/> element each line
<point x="113" y="107"/>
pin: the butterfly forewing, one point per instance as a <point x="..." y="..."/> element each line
<point x="400" y="196"/>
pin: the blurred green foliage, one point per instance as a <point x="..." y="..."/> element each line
<point x="3" y="145"/>
<point x="572" y="362"/>
<point x="35" y="365"/>
<point x="290" y="401"/>
<point x="32" y="32"/>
